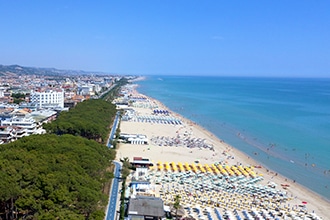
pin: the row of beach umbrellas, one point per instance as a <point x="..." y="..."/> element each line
<point x="218" y="169"/>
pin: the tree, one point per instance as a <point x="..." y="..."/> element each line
<point x="125" y="162"/>
<point x="126" y="167"/>
<point x="89" y="119"/>
<point x="18" y="97"/>
<point x="53" y="177"/>
<point x="176" y="205"/>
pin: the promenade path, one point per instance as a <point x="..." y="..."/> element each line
<point x="112" y="203"/>
<point x="113" y="130"/>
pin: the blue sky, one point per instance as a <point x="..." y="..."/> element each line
<point x="180" y="37"/>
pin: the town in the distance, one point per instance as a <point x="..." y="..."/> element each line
<point x="30" y="98"/>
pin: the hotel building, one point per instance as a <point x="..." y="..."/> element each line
<point x="48" y="98"/>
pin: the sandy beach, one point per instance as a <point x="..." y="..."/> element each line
<point x="182" y="141"/>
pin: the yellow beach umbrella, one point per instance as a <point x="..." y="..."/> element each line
<point x="187" y="166"/>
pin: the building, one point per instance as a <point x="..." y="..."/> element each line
<point x="134" y="138"/>
<point x="11" y="133"/>
<point x="48" y="98"/>
<point x="141" y="166"/>
<point x="86" y="90"/>
<point x="143" y="207"/>
<point x="139" y="162"/>
<point x="141" y="188"/>
<point x="6" y="134"/>
<point x="43" y="116"/>
<point x="24" y="122"/>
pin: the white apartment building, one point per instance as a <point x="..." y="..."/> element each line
<point x="24" y="122"/>
<point x="48" y="98"/>
<point x="85" y="90"/>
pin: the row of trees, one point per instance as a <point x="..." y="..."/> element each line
<point x="53" y="177"/>
<point x="114" y="92"/>
<point x="125" y="171"/>
<point x="89" y="119"/>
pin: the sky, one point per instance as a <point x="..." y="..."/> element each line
<point x="174" y="37"/>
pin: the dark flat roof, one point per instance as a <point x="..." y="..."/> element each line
<point x="146" y="206"/>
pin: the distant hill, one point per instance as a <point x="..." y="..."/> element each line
<point x="21" y="70"/>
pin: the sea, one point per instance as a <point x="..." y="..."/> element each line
<point x="283" y="123"/>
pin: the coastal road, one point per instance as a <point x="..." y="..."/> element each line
<point x="113" y="129"/>
<point x="108" y="90"/>
<point x="112" y="203"/>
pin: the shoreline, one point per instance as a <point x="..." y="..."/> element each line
<point x="298" y="192"/>
<point x="237" y="151"/>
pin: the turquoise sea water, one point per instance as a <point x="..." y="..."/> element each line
<point x="284" y="123"/>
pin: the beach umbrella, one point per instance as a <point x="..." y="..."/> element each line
<point x="187" y="166"/>
<point x="173" y="164"/>
<point x="181" y="168"/>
